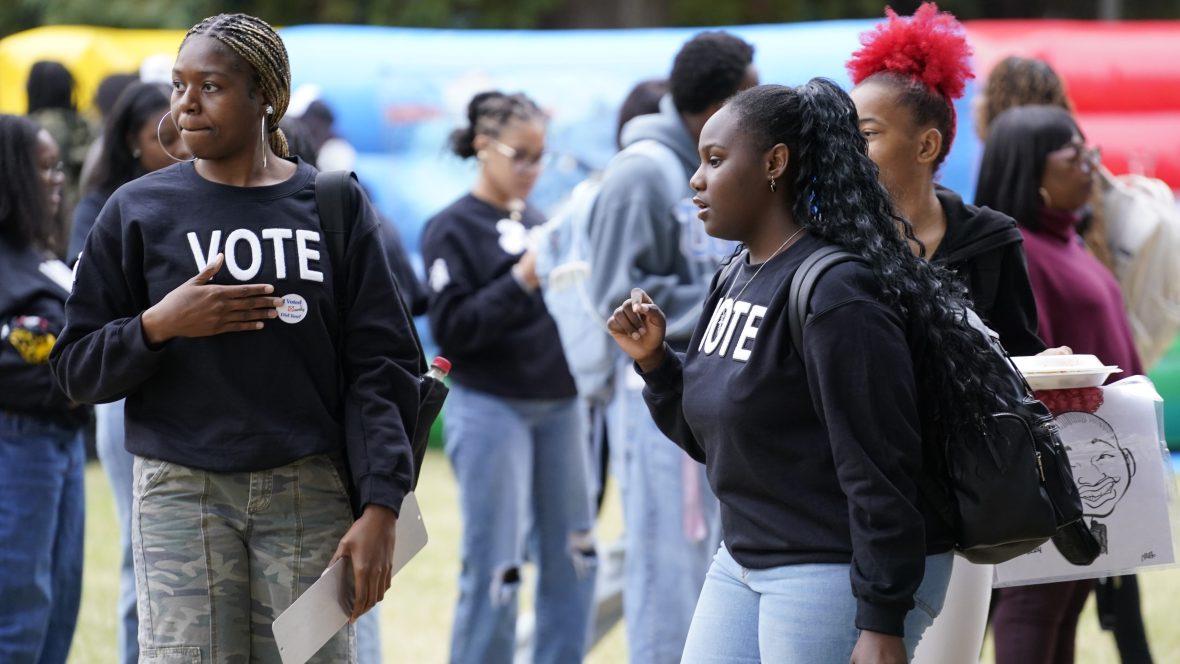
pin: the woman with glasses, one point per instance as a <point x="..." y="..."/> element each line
<point x="42" y="459"/>
<point x="136" y="141"/>
<point x="1037" y="168"/>
<point x="513" y="428"/>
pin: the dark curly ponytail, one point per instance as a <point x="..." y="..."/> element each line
<point x="836" y="196"/>
<point x="487" y="114"/>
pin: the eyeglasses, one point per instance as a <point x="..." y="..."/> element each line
<point x="53" y="169"/>
<point x="1081" y="156"/>
<point x="521" y="161"/>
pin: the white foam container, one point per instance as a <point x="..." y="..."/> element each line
<point x="1059" y="372"/>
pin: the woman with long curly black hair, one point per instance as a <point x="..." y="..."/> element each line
<point x="814" y="452"/>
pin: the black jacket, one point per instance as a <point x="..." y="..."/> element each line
<point x="33" y="290"/>
<point x="986" y="250"/>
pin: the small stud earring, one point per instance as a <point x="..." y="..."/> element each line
<point x="136" y="153"/>
<point x="773" y="185"/>
<point x="270" y="109"/>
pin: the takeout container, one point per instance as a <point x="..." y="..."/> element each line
<point x="1059" y="372"/>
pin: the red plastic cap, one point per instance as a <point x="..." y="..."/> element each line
<point x="442" y="363"/>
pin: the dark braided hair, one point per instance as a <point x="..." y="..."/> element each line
<point x="262" y="49"/>
<point x="488" y="114"/>
<point x="24" y="208"/>
<point x="140" y="104"/>
<point x="925" y="59"/>
<point x="836" y="196"/>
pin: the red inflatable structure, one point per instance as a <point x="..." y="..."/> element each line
<point x="1124" y="79"/>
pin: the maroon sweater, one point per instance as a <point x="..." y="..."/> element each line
<point x="1079" y="302"/>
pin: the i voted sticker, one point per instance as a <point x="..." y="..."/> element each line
<point x="293" y="309"/>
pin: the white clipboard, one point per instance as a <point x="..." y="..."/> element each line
<point x="322" y="610"/>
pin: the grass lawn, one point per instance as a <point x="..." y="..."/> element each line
<point x="416" y="614"/>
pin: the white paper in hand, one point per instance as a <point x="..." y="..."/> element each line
<point x="322" y="610"/>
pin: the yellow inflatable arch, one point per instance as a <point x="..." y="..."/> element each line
<point x="90" y="54"/>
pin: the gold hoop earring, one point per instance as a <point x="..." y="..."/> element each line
<point x="161" y="141"/>
<point x="773" y="186"/>
<point x="1045" y="197"/>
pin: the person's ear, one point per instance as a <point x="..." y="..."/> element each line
<point x="777" y="161"/>
<point x="929" y="146"/>
<point x="481" y="142"/>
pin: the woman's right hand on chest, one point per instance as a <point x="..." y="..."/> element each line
<point x="197" y="308"/>
<point x="638" y="327"/>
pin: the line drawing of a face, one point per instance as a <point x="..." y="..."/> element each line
<point x="1102" y="469"/>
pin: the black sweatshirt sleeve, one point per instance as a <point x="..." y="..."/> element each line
<point x="466" y="316"/>
<point x="381" y="364"/>
<point x="27" y="332"/>
<point x="664" y="395"/>
<point x="102" y="354"/>
<point x="862" y="383"/>
<point x="1014" y="314"/>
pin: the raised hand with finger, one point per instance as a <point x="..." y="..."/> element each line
<point x="638" y="326"/>
<point x="197" y="308"/>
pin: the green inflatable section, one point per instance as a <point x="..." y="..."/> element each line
<point x="1166" y="376"/>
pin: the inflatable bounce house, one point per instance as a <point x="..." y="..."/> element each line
<point x="396" y="93"/>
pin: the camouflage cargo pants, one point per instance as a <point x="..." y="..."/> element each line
<point x="219" y="555"/>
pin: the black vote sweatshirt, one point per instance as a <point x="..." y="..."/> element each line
<point x="985" y="248"/>
<point x="815" y="464"/>
<point x="244" y="401"/>
<point x="33" y="290"/>
<point x="500" y="338"/>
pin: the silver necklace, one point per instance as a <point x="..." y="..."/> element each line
<point x="723" y="318"/>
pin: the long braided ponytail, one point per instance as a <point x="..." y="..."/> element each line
<point x="837" y="197"/>
<point x="261" y="47"/>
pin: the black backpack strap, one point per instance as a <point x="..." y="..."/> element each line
<point x="334" y="200"/>
<point x="803" y="284"/>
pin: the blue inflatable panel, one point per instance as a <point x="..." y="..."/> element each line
<point x="398" y="93"/>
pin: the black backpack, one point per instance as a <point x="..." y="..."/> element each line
<point x="1006" y="496"/>
<point x="337" y="203"/>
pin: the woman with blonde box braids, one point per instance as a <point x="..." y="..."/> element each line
<point x="204" y="295"/>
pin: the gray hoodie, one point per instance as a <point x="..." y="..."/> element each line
<point x="644" y="235"/>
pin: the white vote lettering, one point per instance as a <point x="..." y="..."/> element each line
<point x="302" y="237"/>
<point x="713" y="335"/>
<point x="231" y="254"/>
<point x="305" y="241"/>
<point x="277" y="235"/>
<point x="740" y="352"/>
<point x="204" y="258"/>
<point x="740" y="309"/>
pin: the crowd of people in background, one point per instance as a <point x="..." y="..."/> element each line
<point x="770" y="493"/>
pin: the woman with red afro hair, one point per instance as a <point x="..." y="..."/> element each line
<point x="908" y="73"/>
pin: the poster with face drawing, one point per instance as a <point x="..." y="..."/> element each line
<point x="1124" y="484"/>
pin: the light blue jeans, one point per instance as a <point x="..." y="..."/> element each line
<point x="118" y="464"/>
<point x="524" y="495"/>
<point x="794" y="614"/>
<point x="666" y="560"/>
<point x="42" y="517"/>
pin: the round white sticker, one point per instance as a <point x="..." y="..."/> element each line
<point x="293" y="309"/>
